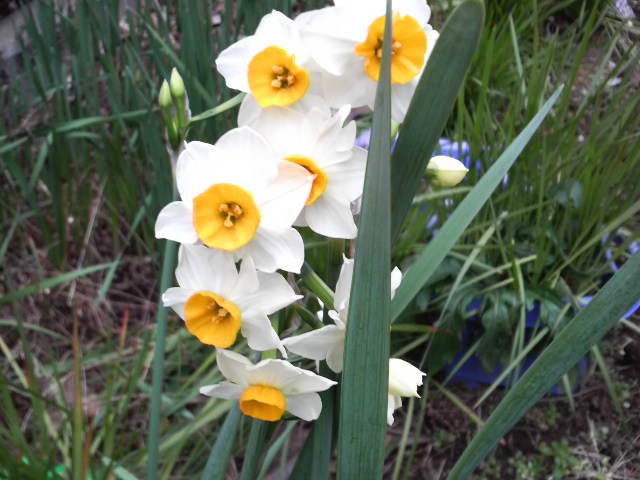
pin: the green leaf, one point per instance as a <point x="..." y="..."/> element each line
<point x="365" y="377"/>
<point x="216" y="467"/>
<point x="454" y="227"/>
<point x="255" y="447"/>
<point x="584" y="331"/>
<point x="155" y="415"/>
<point x="431" y="105"/>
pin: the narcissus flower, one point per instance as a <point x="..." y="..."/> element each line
<point x="346" y="42"/>
<point x="216" y="301"/>
<point x="270" y="64"/>
<point x="327" y="343"/>
<point x="404" y="380"/>
<point x="320" y="143"/>
<point x="269" y="388"/>
<point x="446" y="171"/>
<point x="237" y="196"/>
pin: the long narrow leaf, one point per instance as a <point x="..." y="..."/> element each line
<point x="366" y="358"/>
<point x="216" y="467"/>
<point x="584" y="331"/>
<point x="158" y="365"/>
<point x="432" y="102"/>
<point x="456" y="224"/>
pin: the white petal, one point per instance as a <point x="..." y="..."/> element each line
<point x="249" y="111"/>
<point x="335" y="316"/>
<point x="233" y="366"/>
<point x="396" y="278"/>
<point x="202" y="268"/>
<point x="307" y="382"/>
<point x="401" y="95"/>
<point x="392" y="404"/>
<point x="260" y="334"/>
<point x="335" y="357"/>
<point x="276" y="249"/>
<point x="330" y="48"/>
<point x="273" y="373"/>
<point x="343" y="285"/>
<point x="233" y="63"/>
<point x="283" y="129"/>
<point x="246" y="160"/>
<point x="316" y="344"/>
<point x="281" y="202"/>
<point x="275" y="28"/>
<point x="331" y="216"/>
<point x="196" y="170"/>
<point x="175" y="223"/>
<point x="404" y="378"/>
<point x="354" y="92"/>
<point x="176" y="298"/>
<point x="226" y="390"/>
<point x="348" y="177"/>
<point x="246" y="283"/>
<point x="306" y="406"/>
<point x="273" y="294"/>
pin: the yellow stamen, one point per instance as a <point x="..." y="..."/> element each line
<point x="319" y="183"/>
<point x="211" y="318"/>
<point x="408" y="48"/>
<point x="275" y="79"/>
<point x="225" y="217"/>
<point x="263" y="403"/>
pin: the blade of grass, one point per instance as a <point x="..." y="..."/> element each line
<point x="52" y="282"/>
<point x="432" y="102"/>
<point x="363" y="400"/>
<point x="584" y="331"/>
<point x="436" y="251"/>
<point x="78" y="423"/>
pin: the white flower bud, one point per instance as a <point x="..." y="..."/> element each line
<point x="446" y="171"/>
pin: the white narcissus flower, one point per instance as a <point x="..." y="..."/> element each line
<point x="269" y="388"/>
<point x="404" y="380"/>
<point x="327" y="343"/>
<point x="238" y="197"/>
<point x="346" y="42"/>
<point x="317" y="141"/>
<point x="216" y="301"/>
<point x="446" y="171"/>
<point x="272" y="64"/>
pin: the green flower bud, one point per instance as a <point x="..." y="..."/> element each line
<point x="177" y="84"/>
<point x="164" y="99"/>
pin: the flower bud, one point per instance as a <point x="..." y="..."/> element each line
<point x="177" y="84"/>
<point x="404" y="378"/>
<point x="446" y="171"/>
<point x="164" y="98"/>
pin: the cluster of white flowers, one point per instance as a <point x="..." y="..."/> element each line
<point x="292" y="161"/>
